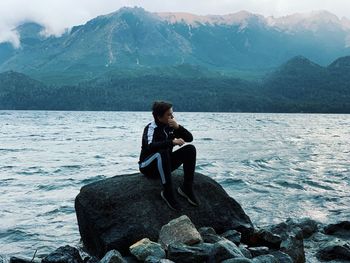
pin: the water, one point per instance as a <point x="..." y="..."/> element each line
<point x="275" y="165"/>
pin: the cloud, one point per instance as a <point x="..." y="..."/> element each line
<point x="58" y="15"/>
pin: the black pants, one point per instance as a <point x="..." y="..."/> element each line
<point x="163" y="162"/>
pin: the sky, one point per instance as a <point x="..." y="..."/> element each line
<point x="58" y="15"/>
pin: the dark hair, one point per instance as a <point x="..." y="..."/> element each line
<point x="159" y="108"/>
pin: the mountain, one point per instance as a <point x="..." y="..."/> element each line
<point x="18" y="91"/>
<point x="299" y="85"/>
<point x="132" y="39"/>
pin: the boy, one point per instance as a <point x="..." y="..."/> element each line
<point x="157" y="158"/>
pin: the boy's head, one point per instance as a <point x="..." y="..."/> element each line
<point x="162" y="111"/>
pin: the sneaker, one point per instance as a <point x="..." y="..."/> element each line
<point x="170" y="201"/>
<point x="189" y="195"/>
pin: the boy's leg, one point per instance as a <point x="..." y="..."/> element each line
<point x="186" y="155"/>
<point x="159" y="164"/>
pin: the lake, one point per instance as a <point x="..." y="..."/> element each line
<point x="275" y="165"/>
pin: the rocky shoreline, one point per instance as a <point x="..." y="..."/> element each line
<point x="123" y="219"/>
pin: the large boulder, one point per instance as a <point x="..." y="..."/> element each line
<point x="115" y="213"/>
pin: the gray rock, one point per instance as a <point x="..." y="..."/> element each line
<point x="341" y="229"/>
<point x="307" y="225"/>
<point x="152" y="259"/>
<point x="179" y="230"/>
<point x="131" y="259"/>
<point x="281" y="257"/>
<point x="292" y="240"/>
<point x="14" y="259"/>
<point x="233" y="236"/>
<point x="264" y="237"/>
<point x="265" y="259"/>
<point x="245" y="251"/>
<point x="207" y="230"/>
<point x="293" y="245"/>
<point x="113" y="256"/>
<point x="202" y="252"/>
<point x="237" y="260"/>
<point x="209" y="235"/>
<point x="258" y="251"/>
<point x="145" y="247"/>
<point x="91" y="259"/>
<point x="64" y="254"/>
<point x="226" y="249"/>
<point x="116" y="212"/>
<point x="334" y="252"/>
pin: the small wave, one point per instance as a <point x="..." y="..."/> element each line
<point x="206" y="139"/>
<point x="290" y="185"/>
<point x="62" y="209"/>
<point x="264" y="163"/>
<point x="14" y="150"/>
<point x="318" y="185"/>
<point x="30" y="171"/>
<point x="15" y="235"/>
<point x="111" y="127"/>
<point x="93" y="179"/>
<point x="7" y="167"/>
<point x="232" y="181"/>
<point x="72" y="166"/>
<point x="49" y="187"/>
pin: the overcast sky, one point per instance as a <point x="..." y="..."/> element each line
<point x="56" y="15"/>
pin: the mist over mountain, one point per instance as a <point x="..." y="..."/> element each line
<point x="134" y="39"/>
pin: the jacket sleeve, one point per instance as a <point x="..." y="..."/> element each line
<point x="150" y="140"/>
<point x="183" y="133"/>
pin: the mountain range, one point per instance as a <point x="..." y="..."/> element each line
<point x="299" y="85"/>
<point x="133" y="40"/>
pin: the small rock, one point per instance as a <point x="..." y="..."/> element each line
<point x="341" y="229"/>
<point x="202" y="252"/>
<point x="153" y="259"/>
<point x="307" y="225"/>
<point x="281" y="257"/>
<point x="233" y="236"/>
<point x="245" y="251"/>
<point x="91" y="259"/>
<point x="145" y="247"/>
<point x="237" y="260"/>
<point x="20" y="260"/>
<point x="258" y="251"/>
<point x="65" y="254"/>
<point x="334" y="252"/>
<point x="265" y="259"/>
<point x="179" y="230"/>
<point x="209" y="235"/>
<point x="207" y="230"/>
<point x="113" y="256"/>
<point x="292" y="239"/>
<point x="293" y="245"/>
<point x="263" y="237"/>
<point x="225" y="249"/>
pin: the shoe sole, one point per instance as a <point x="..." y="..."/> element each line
<point x="186" y="196"/>
<point x="166" y="201"/>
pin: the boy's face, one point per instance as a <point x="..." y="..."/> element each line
<point x="167" y="115"/>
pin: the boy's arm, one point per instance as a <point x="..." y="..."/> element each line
<point x="182" y="132"/>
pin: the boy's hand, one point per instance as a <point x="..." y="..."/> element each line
<point x="172" y="123"/>
<point x="179" y="142"/>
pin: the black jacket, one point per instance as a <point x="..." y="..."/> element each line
<point x="157" y="136"/>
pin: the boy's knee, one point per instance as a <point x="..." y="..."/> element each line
<point x="191" y="148"/>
